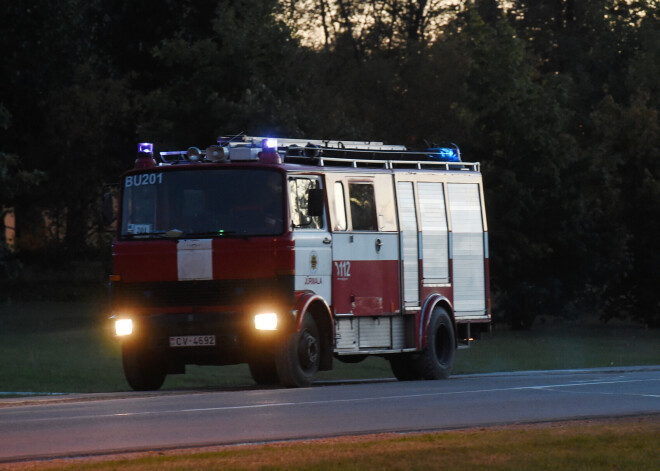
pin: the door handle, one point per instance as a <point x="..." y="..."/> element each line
<point x="379" y="244"/>
<point x="327" y="240"/>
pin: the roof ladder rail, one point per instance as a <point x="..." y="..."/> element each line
<point x="331" y="144"/>
<point x="352" y="162"/>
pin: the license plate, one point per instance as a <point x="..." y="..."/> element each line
<point x="192" y="341"/>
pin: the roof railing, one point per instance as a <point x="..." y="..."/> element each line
<point x="355" y="154"/>
<point x="384" y="163"/>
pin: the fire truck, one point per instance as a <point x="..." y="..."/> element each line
<point x="289" y="254"/>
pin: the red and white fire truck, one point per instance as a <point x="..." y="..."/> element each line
<point x="288" y="254"/>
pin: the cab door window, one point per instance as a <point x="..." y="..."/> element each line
<point x="363" y="206"/>
<point x="340" y="208"/>
<point x="300" y="190"/>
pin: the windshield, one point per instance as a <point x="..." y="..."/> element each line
<point x="203" y="203"/>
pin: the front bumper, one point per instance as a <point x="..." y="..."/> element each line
<point x="236" y="339"/>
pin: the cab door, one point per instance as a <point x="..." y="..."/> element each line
<point x="312" y="239"/>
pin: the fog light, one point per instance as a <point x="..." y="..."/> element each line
<point x="266" y="321"/>
<point x="123" y="327"/>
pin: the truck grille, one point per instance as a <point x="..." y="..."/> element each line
<point x="203" y="293"/>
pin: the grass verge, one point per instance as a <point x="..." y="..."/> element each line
<point x="622" y="444"/>
<point x="68" y="347"/>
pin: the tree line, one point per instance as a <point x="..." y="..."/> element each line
<point x="558" y="100"/>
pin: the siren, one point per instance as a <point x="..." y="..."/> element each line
<point x="217" y="153"/>
<point x="193" y="154"/>
<point x="313" y="150"/>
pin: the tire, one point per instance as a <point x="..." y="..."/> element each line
<point x="143" y="370"/>
<point x="405" y="367"/>
<point x="264" y="372"/>
<point x="298" y="359"/>
<point x="436" y="360"/>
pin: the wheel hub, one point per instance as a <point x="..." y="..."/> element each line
<point x="308" y="353"/>
<point x="442" y="345"/>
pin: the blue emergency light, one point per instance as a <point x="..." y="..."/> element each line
<point x="145" y="157"/>
<point x="269" y="143"/>
<point x="445" y="154"/>
<point x="269" y="154"/>
<point x="145" y="148"/>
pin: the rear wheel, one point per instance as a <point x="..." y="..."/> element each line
<point x="144" y="370"/>
<point x="405" y="367"/>
<point x="436" y="360"/>
<point x="298" y="359"/>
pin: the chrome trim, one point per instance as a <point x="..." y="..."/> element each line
<point x="374" y="352"/>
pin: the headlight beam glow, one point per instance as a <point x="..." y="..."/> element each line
<point x="123" y="327"/>
<point x="266" y="321"/>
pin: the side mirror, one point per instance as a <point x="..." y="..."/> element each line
<point x="315" y="202"/>
<point x="107" y="210"/>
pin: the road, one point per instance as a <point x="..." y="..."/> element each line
<point x="101" y="424"/>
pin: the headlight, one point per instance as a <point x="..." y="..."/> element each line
<point x="123" y="327"/>
<point x="266" y="321"/>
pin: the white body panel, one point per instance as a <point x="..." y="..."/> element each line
<point x="467" y="248"/>
<point x="435" y="234"/>
<point x="409" y="244"/>
<point x="361" y="246"/>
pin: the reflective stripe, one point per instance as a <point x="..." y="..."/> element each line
<point x="194" y="259"/>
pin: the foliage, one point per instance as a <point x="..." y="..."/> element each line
<point x="557" y="99"/>
<point x="15" y="182"/>
<point x="630" y="137"/>
<point x="228" y="80"/>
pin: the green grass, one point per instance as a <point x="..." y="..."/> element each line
<point x="561" y="347"/>
<point x="68" y="347"/>
<point x="628" y="444"/>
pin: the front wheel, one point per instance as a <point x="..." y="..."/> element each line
<point x="436" y="360"/>
<point x="263" y="371"/>
<point x="143" y="370"/>
<point x="299" y="357"/>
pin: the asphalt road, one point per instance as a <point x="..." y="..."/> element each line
<point x="99" y="424"/>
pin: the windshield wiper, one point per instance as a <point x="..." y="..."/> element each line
<point x="179" y="234"/>
<point x="144" y="234"/>
<point x="218" y="233"/>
